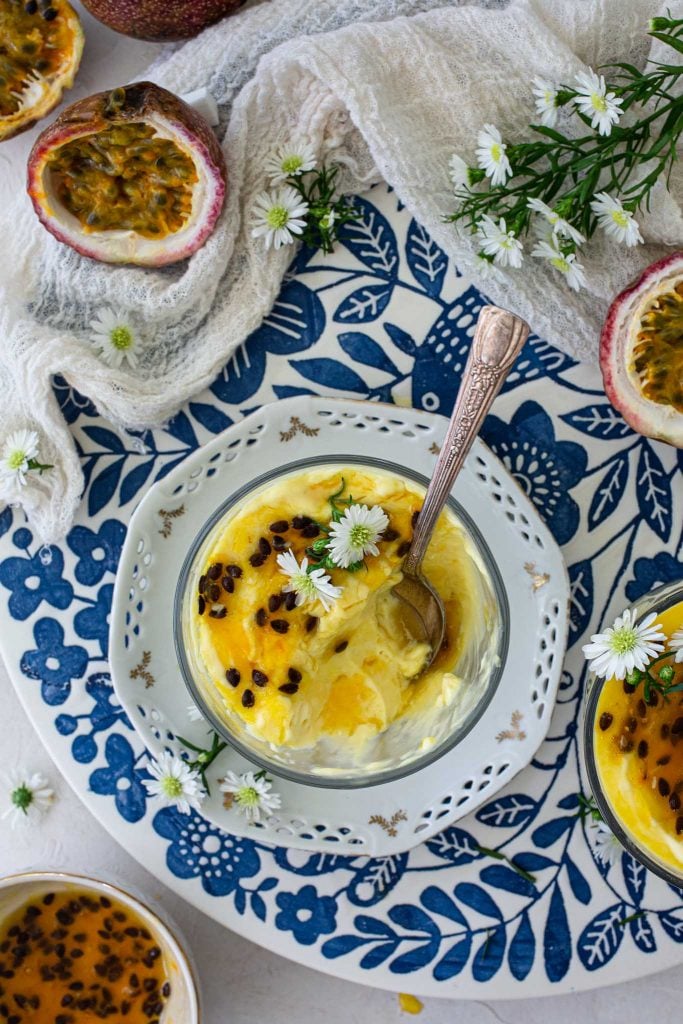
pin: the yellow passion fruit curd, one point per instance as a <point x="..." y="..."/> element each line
<point x="638" y="741"/>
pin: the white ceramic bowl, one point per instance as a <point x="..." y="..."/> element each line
<point x="183" y="1003"/>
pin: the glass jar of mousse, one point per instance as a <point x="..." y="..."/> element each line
<point x="633" y="748"/>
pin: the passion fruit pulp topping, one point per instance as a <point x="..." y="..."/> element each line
<point x="658" y="351"/>
<point x="125" y="178"/>
<point x="33" y="40"/>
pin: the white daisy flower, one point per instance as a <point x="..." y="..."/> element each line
<point x="459" y="172"/>
<point x="500" y="243"/>
<point x="290" y="161"/>
<point x="486" y="269"/>
<point x="606" y="846"/>
<point x="315" y="585"/>
<point x="546" y="101"/>
<point x="114" y="338"/>
<point x="252" y="794"/>
<point x="18" y="451"/>
<point x="356" y="534"/>
<point x="676" y="644"/>
<point x="595" y="102"/>
<point x="30" y="796"/>
<point x="492" y="155"/>
<point x="559" y="225"/>
<point x="175" y="783"/>
<point x="194" y="714"/>
<point x="615" y="220"/>
<point x="566" y="263"/>
<point x="278" y="216"/>
<point x="625" y="646"/>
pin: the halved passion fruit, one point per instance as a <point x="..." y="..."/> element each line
<point x="40" y="49"/>
<point x="641" y="352"/>
<point x="134" y="175"/>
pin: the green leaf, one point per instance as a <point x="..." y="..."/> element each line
<point x="668" y="40"/>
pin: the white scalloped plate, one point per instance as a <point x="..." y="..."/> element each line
<point x="394" y="816"/>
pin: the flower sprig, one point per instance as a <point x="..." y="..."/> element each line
<point x="303" y="202"/>
<point x="634" y="651"/>
<point x="351" y="534"/>
<point x="20" y="455"/>
<point x="204" y="757"/>
<point x="567" y="186"/>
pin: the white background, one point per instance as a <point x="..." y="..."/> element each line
<point x="242" y="983"/>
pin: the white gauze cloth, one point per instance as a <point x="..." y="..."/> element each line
<point x="390" y="89"/>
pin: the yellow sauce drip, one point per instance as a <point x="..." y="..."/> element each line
<point x="125" y="178"/>
<point x="69" y="956"/>
<point x="639" y="756"/>
<point x="28" y="43"/>
<point x="658" y="352"/>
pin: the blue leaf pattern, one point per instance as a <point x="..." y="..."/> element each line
<point x="372" y="240"/>
<point x="654" y="491"/>
<point x="601" y="938"/>
<point x="599" y="420"/>
<point x="609" y="491"/>
<point x="364" y="305"/>
<point x="511" y="811"/>
<point x="522" y="951"/>
<point x="557" y="942"/>
<point x="426" y="260"/>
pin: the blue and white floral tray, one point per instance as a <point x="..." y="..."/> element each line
<point x="385" y="317"/>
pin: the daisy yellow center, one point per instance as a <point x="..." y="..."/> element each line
<point x="496" y="151"/>
<point x="506" y="242"/>
<point x="277" y="217"/>
<point x="599" y="102"/>
<point x="560" y="263"/>
<point x="303" y="584"/>
<point x="172" y="787"/>
<point x="360" y="535"/>
<point x="620" y="218"/>
<point x="292" y="164"/>
<point x="121" y="338"/>
<point x="623" y="640"/>
<point x="16" y="459"/>
<point x="248" y="797"/>
<point x="22" y="797"/>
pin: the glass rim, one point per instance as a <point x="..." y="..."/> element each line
<point x="384" y="775"/>
<point x="657" y="600"/>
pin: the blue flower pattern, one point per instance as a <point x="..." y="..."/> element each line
<point x="305" y="914"/>
<point x="344" y="324"/>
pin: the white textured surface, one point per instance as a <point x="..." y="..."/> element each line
<point x="242" y="984"/>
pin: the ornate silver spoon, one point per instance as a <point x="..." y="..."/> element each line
<point x="498" y="338"/>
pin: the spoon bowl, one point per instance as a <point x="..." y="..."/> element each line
<point x="498" y="339"/>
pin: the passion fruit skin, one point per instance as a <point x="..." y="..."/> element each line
<point x="15" y="124"/>
<point x="140" y="102"/>
<point x="646" y="417"/>
<point x="161" y="21"/>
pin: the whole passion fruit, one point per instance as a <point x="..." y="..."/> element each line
<point x="134" y="175"/>
<point x="161" y="20"/>
<point x="641" y="352"/>
<point x="40" y="49"/>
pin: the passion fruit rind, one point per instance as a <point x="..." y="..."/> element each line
<point x="139" y="104"/>
<point x="44" y="85"/>
<point x="161" y="20"/>
<point x="631" y="367"/>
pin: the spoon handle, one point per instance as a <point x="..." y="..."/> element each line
<point x="498" y="339"/>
